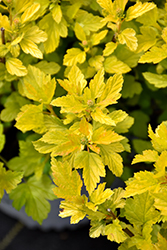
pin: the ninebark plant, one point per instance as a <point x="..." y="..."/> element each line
<point x="64" y="66"/>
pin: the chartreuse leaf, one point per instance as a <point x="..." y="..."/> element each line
<point x="8" y="180"/>
<point x="96" y="62"/>
<point x="32" y="114"/>
<point x="48" y="67"/>
<point x="141" y="182"/>
<point x="75" y="83"/>
<point x="15" y="67"/>
<point x="159" y="81"/>
<point x="28" y="161"/>
<point x="114" y="232"/>
<point x="38" y="86"/>
<point x="68" y="183"/>
<point x="34" y="195"/>
<point x="162" y="243"/>
<point x="99" y="116"/>
<point x="155" y="55"/>
<point x="140" y="145"/>
<point x="79" y="32"/>
<point x="113" y="65"/>
<point x="92" y="166"/>
<point x="29" y="12"/>
<point x="161" y="164"/>
<point x="148" y="156"/>
<point x="57" y="13"/>
<point x="97" y="229"/>
<point x="147" y="39"/>
<point x="32" y="36"/>
<point x="138" y="9"/>
<point x="131" y="87"/>
<point x="140" y="209"/>
<point x="97" y="37"/>
<point x="97" y="84"/>
<point x="123" y="126"/>
<point x="159" y="138"/>
<point x="74" y="56"/>
<point x="149" y="17"/>
<point x="2" y="138"/>
<point x="160" y="201"/>
<point x="109" y="48"/>
<point x="128" y="37"/>
<point x="12" y="106"/>
<point x="111" y="158"/>
<point x="107" y="5"/>
<point x="111" y="92"/>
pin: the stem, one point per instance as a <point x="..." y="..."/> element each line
<point x="126" y="230"/>
<point x="3" y="160"/>
<point x="3" y="42"/>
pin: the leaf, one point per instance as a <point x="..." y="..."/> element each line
<point x="74" y="56"/>
<point x="114" y="232"/>
<point x="79" y="32"/>
<point x="48" y="67"/>
<point x="138" y="9"/>
<point x="57" y="13"/>
<point x="140" y="145"/>
<point x="113" y="65"/>
<point x="162" y="242"/>
<point x="12" y="107"/>
<point x="160" y="201"/>
<point x="68" y="103"/>
<point x="131" y="87"/>
<point x="141" y="182"/>
<point x="68" y="183"/>
<point x="112" y="159"/>
<point x="99" y="195"/>
<point x="8" y="180"/>
<point x="155" y="55"/>
<point x="147" y="39"/>
<point x="111" y="91"/>
<point x="76" y="82"/>
<point x="99" y="116"/>
<point x="140" y="210"/>
<point x="161" y="164"/>
<point x="2" y="138"/>
<point x="74" y="209"/>
<point x="22" y="6"/>
<point x="127" y="36"/>
<point x="29" y="12"/>
<point x="105" y="136"/>
<point x="148" y="156"/>
<point x="149" y="17"/>
<point x="96" y="62"/>
<point x="38" y="86"/>
<point x="97" y="37"/>
<point x="159" y="81"/>
<point x="96" y="229"/>
<point x="118" y="116"/>
<point x="139" y="128"/>
<point x="15" y="67"/>
<point x="32" y="114"/>
<point x="109" y="48"/>
<point x="97" y="84"/>
<point x="159" y="138"/>
<point x="34" y="195"/>
<point x="107" y="5"/>
<point x="93" y="168"/>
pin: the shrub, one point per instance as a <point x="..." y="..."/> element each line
<point x="81" y="81"/>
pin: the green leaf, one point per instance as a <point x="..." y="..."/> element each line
<point x="141" y="182"/>
<point x="114" y="232"/>
<point x="15" y="67"/>
<point x="138" y="9"/>
<point x="162" y="242"/>
<point x="2" y="138"/>
<point x="159" y="138"/>
<point x="93" y="168"/>
<point x="75" y="83"/>
<point x="12" y="107"/>
<point x="38" y="86"/>
<point x="68" y="183"/>
<point x="48" y="67"/>
<point x="109" y="48"/>
<point x="131" y="87"/>
<point x="96" y="62"/>
<point x="141" y="145"/>
<point x="159" y="81"/>
<point x="32" y="114"/>
<point x="148" y="156"/>
<point x="8" y="180"/>
<point x="139" y="128"/>
<point x="128" y="37"/>
<point x="74" y="56"/>
<point x="149" y="17"/>
<point x="113" y="65"/>
<point x="111" y="92"/>
<point x="112" y="159"/>
<point x="99" y="116"/>
<point x="155" y="55"/>
<point x="140" y="209"/>
<point x="34" y="195"/>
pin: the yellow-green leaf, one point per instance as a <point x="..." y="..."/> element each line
<point x="48" y="67"/>
<point x="97" y="84"/>
<point x="2" y="138"/>
<point x="38" y="86"/>
<point x="128" y="37"/>
<point x="74" y="56"/>
<point x="99" y="116"/>
<point x="99" y="195"/>
<point x="8" y="180"/>
<point x="93" y="168"/>
<point x="114" y="232"/>
<point x="138" y="9"/>
<point x="109" y="48"/>
<point x="57" y="13"/>
<point x="97" y="37"/>
<point x="113" y="65"/>
<point x="162" y="243"/>
<point x="160" y="201"/>
<point x="159" y="81"/>
<point x="155" y="55"/>
<point x="30" y="11"/>
<point x="147" y="39"/>
<point x="148" y="156"/>
<point x="15" y="67"/>
<point x="159" y="138"/>
<point x="31" y="48"/>
<point x="79" y="32"/>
